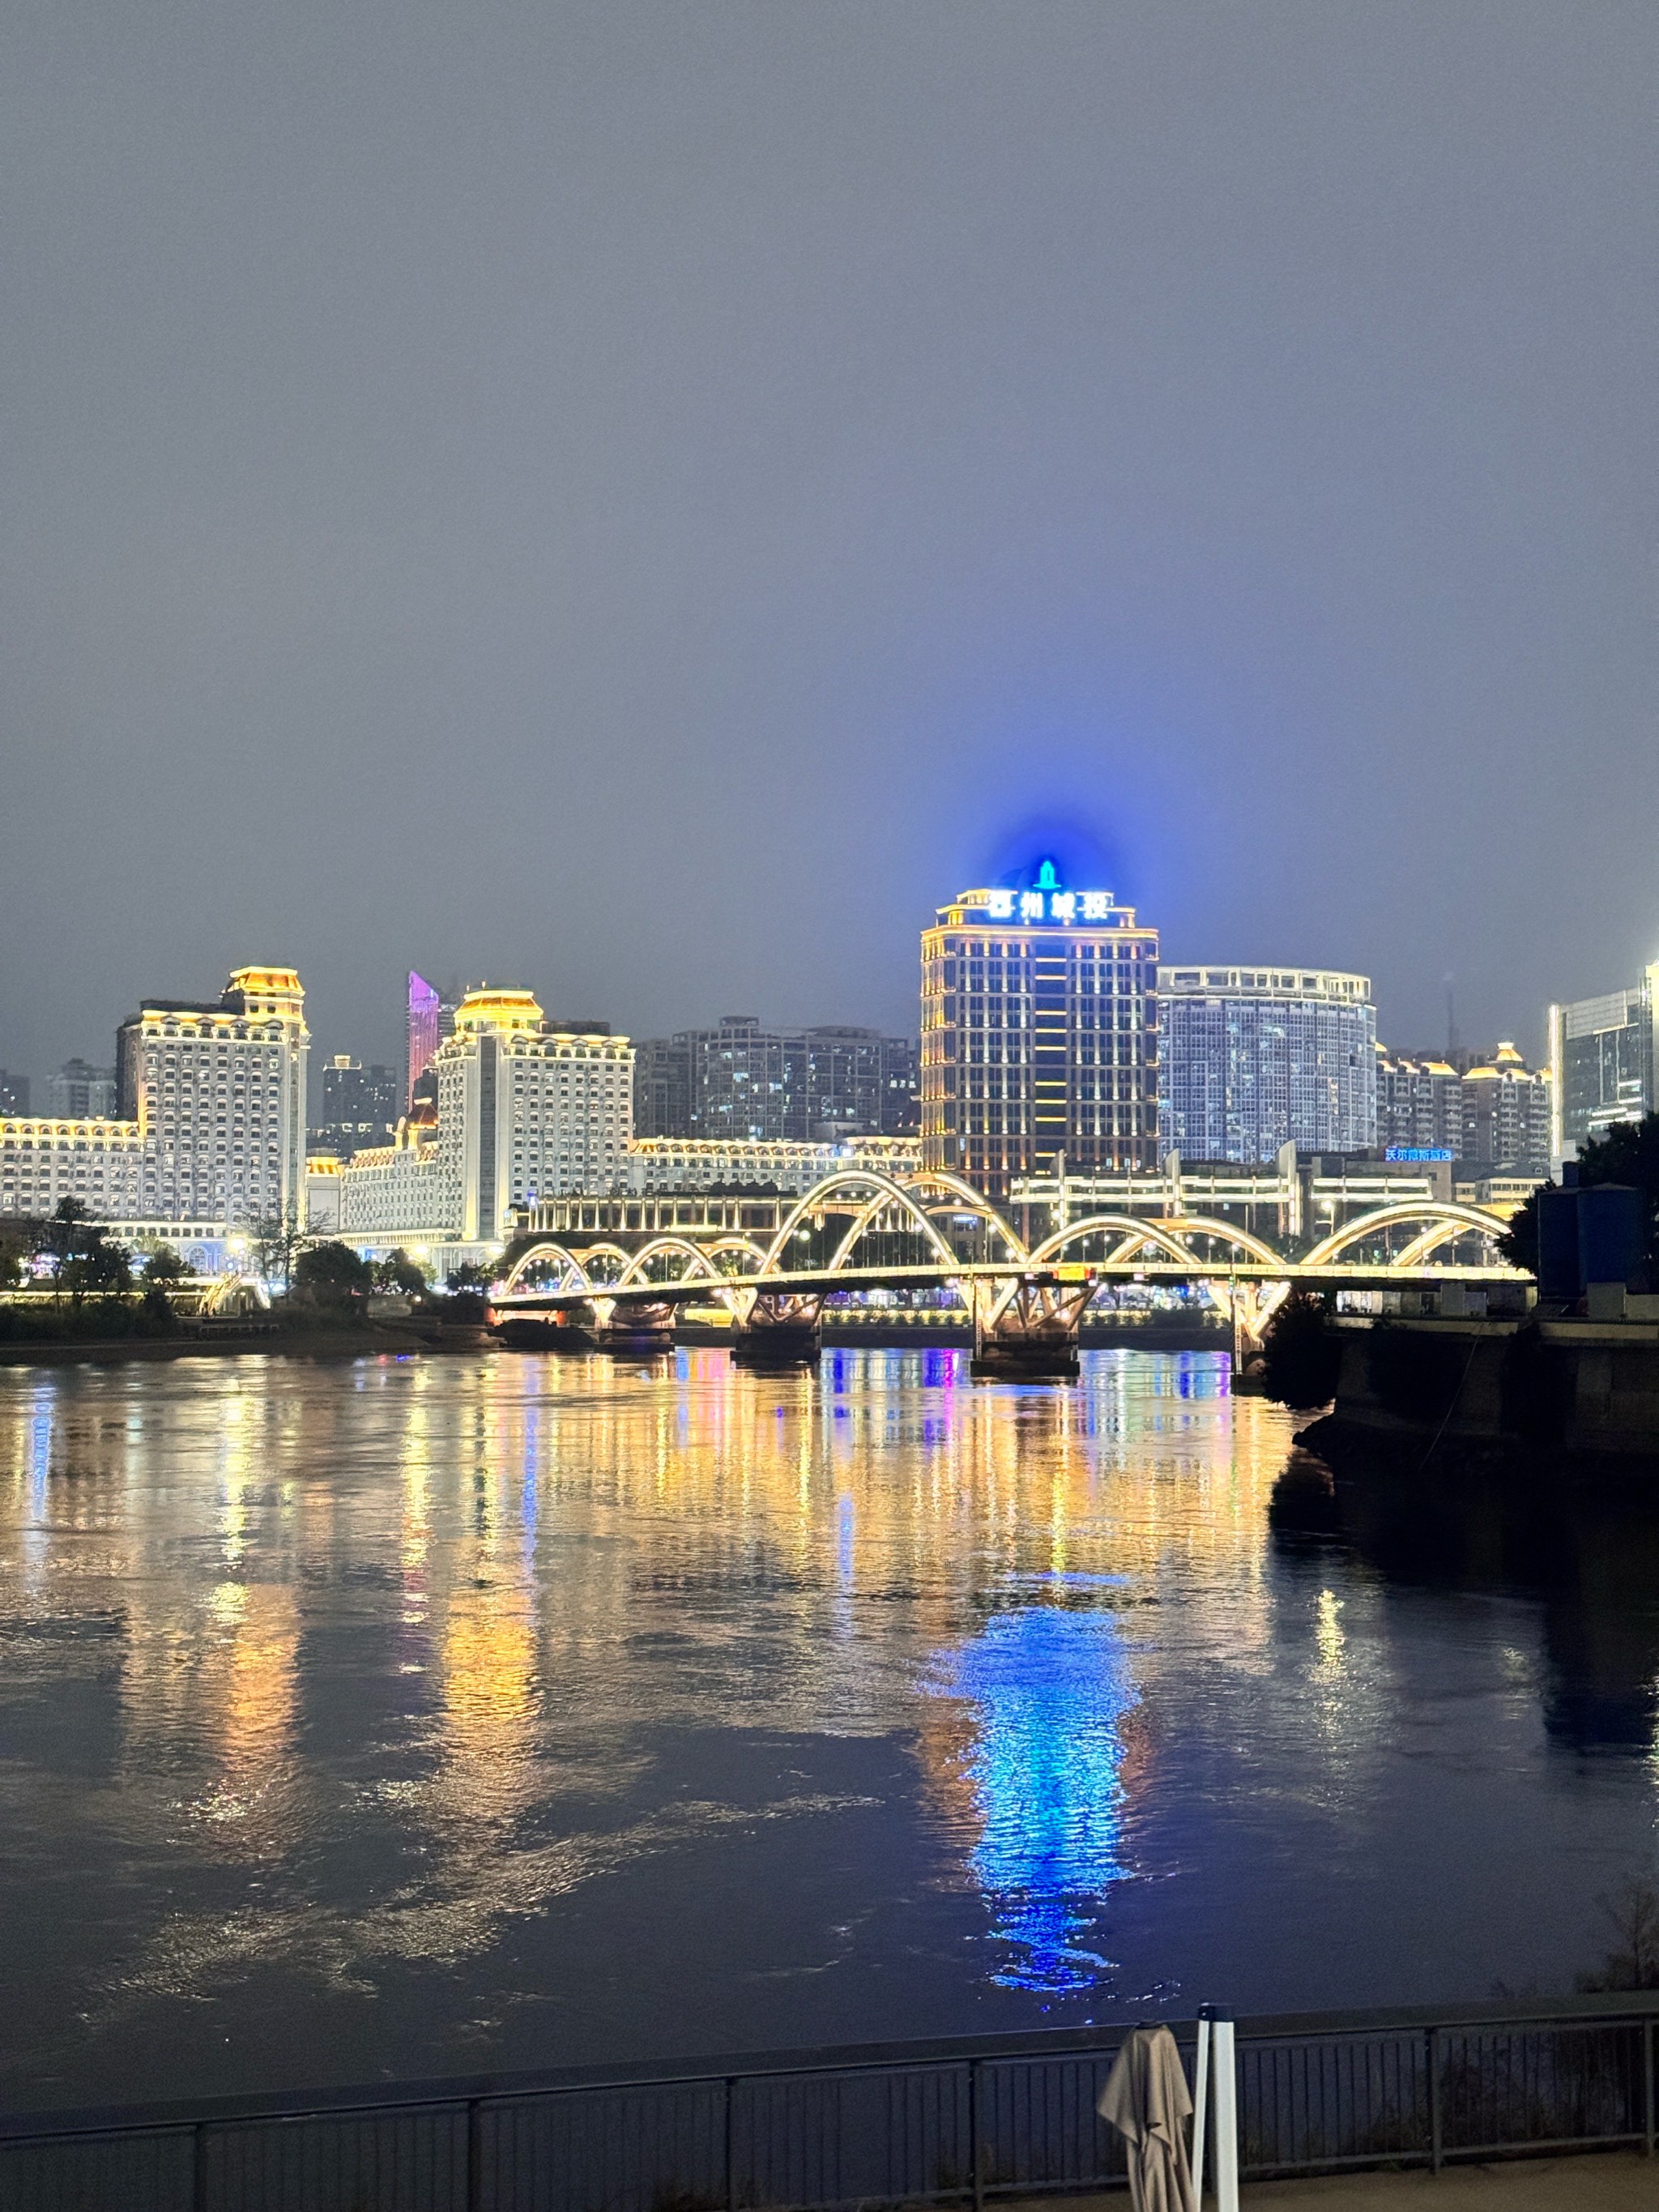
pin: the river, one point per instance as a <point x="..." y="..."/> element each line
<point x="402" y="1717"/>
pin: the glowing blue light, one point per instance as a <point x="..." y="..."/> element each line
<point x="1051" y="1686"/>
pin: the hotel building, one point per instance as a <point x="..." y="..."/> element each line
<point x="1602" y="1063"/>
<point x="211" y="1126"/>
<point x="1039" y="1036"/>
<point x="1252" y="1059"/>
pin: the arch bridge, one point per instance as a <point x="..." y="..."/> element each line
<point x="859" y="1230"/>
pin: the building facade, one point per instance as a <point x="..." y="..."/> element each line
<point x="1252" y="1059"/>
<point x="525" y="1112"/>
<point x="359" y="1107"/>
<point x="218" y="1091"/>
<point x="699" y="1163"/>
<point x="1507" y="1115"/>
<point x="13" y="1093"/>
<point x="740" y="1083"/>
<point x="429" y="1017"/>
<point x="45" y="1159"/>
<point x="396" y="1191"/>
<point x="210" y="1130"/>
<point x="1039" y="1035"/>
<point x="80" y="1092"/>
<point x="1420" y="1105"/>
<point x="1603" y="1062"/>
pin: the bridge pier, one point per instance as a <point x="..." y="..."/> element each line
<point x="633" y="1329"/>
<point x="780" y="1329"/>
<point x="1028" y="1333"/>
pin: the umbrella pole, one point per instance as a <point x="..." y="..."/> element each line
<point x="1200" y="2101"/>
<point x="1226" y="2119"/>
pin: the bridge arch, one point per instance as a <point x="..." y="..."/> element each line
<point x="544" y="1248"/>
<point x="1167" y="1232"/>
<point x="959" y="1197"/>
<point x="848" y="1180"/>
<point x="701" y="1261"/>
<point x="1438" y="1214"/>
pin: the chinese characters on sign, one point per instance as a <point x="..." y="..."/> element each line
<point x="1052" y="906"/>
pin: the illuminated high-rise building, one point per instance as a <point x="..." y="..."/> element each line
<point x="526" y="1112"/>
<point x="1602" y="1059"/>
<point x="1252" y="1059"/>
<point x="218" y="1091"/>
<point x="1039" y="1035"/>
<point x="431" y="1017"/>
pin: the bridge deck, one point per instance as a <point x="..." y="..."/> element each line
<point x="1337" y="1275"/>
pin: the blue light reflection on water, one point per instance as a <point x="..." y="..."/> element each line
<point x="1050" y="1687"/>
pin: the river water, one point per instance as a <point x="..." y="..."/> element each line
<point x="395" y="1717"/>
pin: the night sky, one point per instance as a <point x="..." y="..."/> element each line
<point x="646" y="502"/>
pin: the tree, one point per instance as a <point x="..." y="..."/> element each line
<point x="17" y="1248"/>
<point x="332" y="1273"/>
<point x="1633" y="1916"/>
<point x="95" y="1265"/>
<point x="1628" y="1153"/>
<point x="277" y="1245"/>
<point x="1301" y="1353"/>
<point x="469" y="1276"/>
<point x="397" y="1272"/>
<point x="163" y="1264"/>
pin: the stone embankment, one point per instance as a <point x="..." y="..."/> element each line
<point x="1571" y="1391"/>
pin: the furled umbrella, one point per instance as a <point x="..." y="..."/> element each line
<point x="1147" y="2100"/>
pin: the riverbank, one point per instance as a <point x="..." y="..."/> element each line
<point x="1556" y="1395"/>
<point x="373" y="1339"/>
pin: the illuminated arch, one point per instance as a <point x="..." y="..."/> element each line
<point x="1437" y="1214"/>
<point x="702" y="1261"/>
<point x="1166" y="1233"/>
<point x="968" y="1200"/>
<point x="960" y="1197"/>
<point x="545" y="1247"/>
<point x="849" y="1180"/>
<point x="234" y="1292"/>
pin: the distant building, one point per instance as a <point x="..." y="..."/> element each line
<point x="430" y="1017"/>
<point x="1252" y="1059"/>
<point x="1603" y="1062"/>
<point x="1420" y="1105"/>
<point x="82" y="1093"/>
<point x="859" y="1084"/>
<point x="1506" y="1116"/>
<point x="360" y="1106"/>
<point x="13" y="1093"/>
<point x="740" y="1083"/>
<point x="1039" y="1035"/>
<point x="662" y="1087"/>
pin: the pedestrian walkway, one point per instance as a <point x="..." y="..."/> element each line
<point x="1614" y="2183"/>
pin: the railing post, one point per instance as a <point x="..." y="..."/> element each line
<point x="1431" y="2039"/>
<point x="474" y="2158"/>
<point x="975" y="2162"/>
<point x="1647" y="2087"/>
<point x="731" y="2144"/>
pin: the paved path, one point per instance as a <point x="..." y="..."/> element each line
<point x="1615" y="2183"/>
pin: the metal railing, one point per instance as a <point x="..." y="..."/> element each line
<point x="906" y="2122"/>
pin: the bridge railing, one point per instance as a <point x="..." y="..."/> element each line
<point x="913" y="2123"/>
